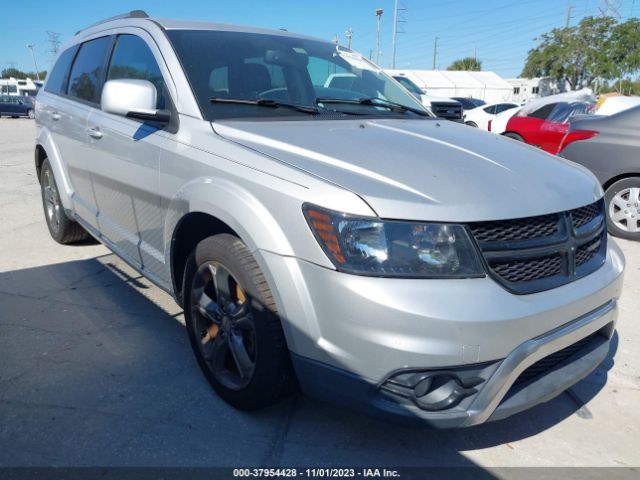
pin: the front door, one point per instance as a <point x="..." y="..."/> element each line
<point x="125" y="168"/>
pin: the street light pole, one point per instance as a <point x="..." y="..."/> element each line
<point x="378" y="17"/>
<point x="30" y="47"/>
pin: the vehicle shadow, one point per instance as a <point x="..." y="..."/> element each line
<point x="96" y="369"/>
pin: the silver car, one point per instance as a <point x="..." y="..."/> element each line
<point x="342" y="239"/>
<point x="609" y="146"/>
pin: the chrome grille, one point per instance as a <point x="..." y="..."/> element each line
<point x="533" y="254"/>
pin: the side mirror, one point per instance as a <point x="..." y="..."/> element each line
<point x="133" y="98"/>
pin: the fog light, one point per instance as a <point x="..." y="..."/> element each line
<point x="432" y="391"/>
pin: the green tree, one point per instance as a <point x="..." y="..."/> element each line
<point x="622" y="50"/>
<point x="19" y="74"/>
<point x="573" y="53"/>
<point x="467" y="63"/>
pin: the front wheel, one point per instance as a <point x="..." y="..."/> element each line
<point x="623" y="208"/>
<point x="31" y="114"/>
<point x="233" y="324"/>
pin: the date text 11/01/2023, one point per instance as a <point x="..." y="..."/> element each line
<point x="316" y="472"/>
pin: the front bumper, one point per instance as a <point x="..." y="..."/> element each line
<point x="348" y="334"/>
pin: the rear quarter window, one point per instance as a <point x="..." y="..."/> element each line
<point x="58" y="75"/>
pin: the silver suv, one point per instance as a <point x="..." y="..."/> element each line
<point x="340" y="238"/>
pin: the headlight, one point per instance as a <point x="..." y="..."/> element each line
<point x="370" y="246"/>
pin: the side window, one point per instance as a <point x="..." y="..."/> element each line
<point x="87" y="73"/>
<point x="132" y="58"/>
<point x="56" y="79"/>
<point x="543" y="112"/>
<point x="490" y="110"/>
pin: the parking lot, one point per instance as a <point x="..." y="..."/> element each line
<point x="96" y="369"/>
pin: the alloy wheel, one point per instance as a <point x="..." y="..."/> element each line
<point x="52" y="200"/>
<point x="223" y="323"/>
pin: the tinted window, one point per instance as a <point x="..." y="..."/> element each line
<point x="543" y="112"/>
<point x="132" y="58"/>
<point x="490" y="110"/>
<point x="58" y="75"/>
<point x="504" y="106"/>
<point x="87" y="73"/>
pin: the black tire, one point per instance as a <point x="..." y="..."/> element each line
<point x="62" y="229"/>
<point x="271" y="376"/>
<point x="630" y="207"/>
<point x="471" y="124"/>
<point x="31" y="114"/>
<point x="514" y="136"/>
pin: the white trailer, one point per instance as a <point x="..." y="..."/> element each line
<point x="486" y="86"/>
<point x="525" y="89"/>
<point x="14" y="86"/>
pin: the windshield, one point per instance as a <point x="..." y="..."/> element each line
<point x="238" y="74"/>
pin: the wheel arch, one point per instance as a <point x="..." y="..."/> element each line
<point x="619" y="177"/>
<point x="207" y="207"/>
<point x="40" y="155"/>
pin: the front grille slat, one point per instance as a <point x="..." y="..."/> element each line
<point x="528" y="255"/>
<point x="450" y="111"/>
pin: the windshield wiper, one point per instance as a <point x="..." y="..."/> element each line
<point x="266" y="102"/>
<point x="376" y="102"/>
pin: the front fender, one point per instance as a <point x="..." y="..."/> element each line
<point x="231" y="204"/>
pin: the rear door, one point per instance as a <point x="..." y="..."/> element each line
<point x="125" y="160"/>
<point x="70" y="112"/>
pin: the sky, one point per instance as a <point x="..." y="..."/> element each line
<point x="499" y="32"/>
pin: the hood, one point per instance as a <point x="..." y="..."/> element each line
<point x="423" y="169"/>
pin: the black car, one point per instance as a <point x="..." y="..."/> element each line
<point x="469" y="103"/>
<point x="16" y="106"/>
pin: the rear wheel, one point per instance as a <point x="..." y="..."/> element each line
<point x="233" y="324"/>
<point x="623" y="208"/>
<point x="472" y="124"/>
<point x="514" y="136"/>
<point x="61" y="227"/>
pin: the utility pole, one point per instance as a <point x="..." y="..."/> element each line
<point x="568" y="20"/>
<point x="349" y="34"/>
<point x="378" y="18"/>
<point x="435" y="52"/>
<point x="30" y="47"/>
<point x="396" y="21"/>
<point x="395" y="34"/>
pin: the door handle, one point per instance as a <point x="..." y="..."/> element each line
<point x="95" y="132"/>
<point x="55" y="116"/>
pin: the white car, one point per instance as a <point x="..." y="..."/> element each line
<point x="479" y="117"/>
<point x="499" y="123"/>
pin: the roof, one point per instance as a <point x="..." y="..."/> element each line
<point x="137" y="16"/>
<point x="458" y="79"/>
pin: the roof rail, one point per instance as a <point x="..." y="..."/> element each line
<point x="131" y="14"/>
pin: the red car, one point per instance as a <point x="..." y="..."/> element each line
<point x="546" y="126"/>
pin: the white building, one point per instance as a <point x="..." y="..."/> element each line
<point x="525" y="89"/>
<point x="13" y="86"/>
<point x="486" y="86"/>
